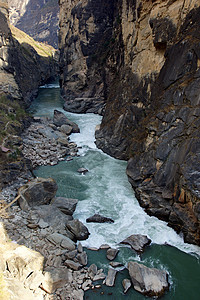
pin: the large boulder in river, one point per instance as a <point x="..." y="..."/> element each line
<point x="78" y="229"/>
<point x="148" y="281"/>
<point x="60" y="119"/>
<point x="137" y="242"/>
<point x="99" y="219"/>
<point x="38" y="191"/>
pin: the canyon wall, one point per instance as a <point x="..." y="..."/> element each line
<point x="142" y="59"/>
<point x="22" y="71"/>
<point x="38" y="18"/>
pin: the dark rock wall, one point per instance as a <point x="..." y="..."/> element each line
<point x="145" y="64"/>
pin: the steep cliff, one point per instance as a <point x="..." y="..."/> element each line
<point x="38" y="18"/>
<point x="22" y="70"/>
<point x="142" y="58"/>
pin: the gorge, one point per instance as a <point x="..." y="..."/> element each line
<point x="130" y="69"/>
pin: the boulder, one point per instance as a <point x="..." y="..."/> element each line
<point x="38" y="191"/>
<point x="61" y="240"/>
<point x="66" y="205"/>
<point x="110" y="279"/>
<point x="148" y="281"/>
<point x="99" y="219"/>
<point x="111" y="253"/>
<point x="77" y="228"/>
<point x="126" y="285"/>
<point x="137" y="242"/>
<point x="60" y="119"/>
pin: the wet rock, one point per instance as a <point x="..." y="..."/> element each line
<point x="137" y="242"/>
<point x="66" y="205"/>
<point x="148" y="281"/>
<point x="82" y="170"/>
<point x="111" y="253"/>
<point x="37" y="192"/>
<point x="79" y="230"/>
<point x="99" y="219"/>
<point x="126" y="285"/>
<point x="110" y="279"/>
<point x="115" y="264"/>
<point x="60" y="119"/>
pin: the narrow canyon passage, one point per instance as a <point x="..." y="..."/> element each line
<point x="105" y="190"/>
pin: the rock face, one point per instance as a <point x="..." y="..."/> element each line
<point x="148" y="281"/>
<point x="22" y="70"/>
<point x="143" y="59"/>
<point x="37" y="18"/>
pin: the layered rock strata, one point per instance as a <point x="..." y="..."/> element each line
<point x="143" y="58"/>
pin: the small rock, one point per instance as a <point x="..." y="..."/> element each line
<point x="111" y="253"/>
<point x="99" y="219"/>
<point x="100" y="276"/>
<point x="72" y="265"/>
<point x="115" y="264"/>
<point x="80" y="248"/>
<point x="82" y="170"/>
<point x="82" y="258"/>
<point x="126" y="285"/>
<point x="110" y="279"/>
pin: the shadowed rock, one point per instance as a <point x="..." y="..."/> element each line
<point x="38" y="191"/>
<point x="99" y="219"/>
<point x="79" y="230"/>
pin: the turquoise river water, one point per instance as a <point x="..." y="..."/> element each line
<point x="105" y="190"/>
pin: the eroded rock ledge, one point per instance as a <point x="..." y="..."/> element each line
<point x="145" y="63"/>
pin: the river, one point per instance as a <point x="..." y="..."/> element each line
<point x="105" y="190"/>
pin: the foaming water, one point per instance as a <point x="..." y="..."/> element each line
<point x="106" y="190"/>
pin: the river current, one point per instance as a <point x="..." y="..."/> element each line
<point x="105" y="190"/>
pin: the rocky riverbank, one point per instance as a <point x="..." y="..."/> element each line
<point x="44" y="258"/>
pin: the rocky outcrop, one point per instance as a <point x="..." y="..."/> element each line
<point x="145" y="63"/>
<point x="37" y="18"/>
